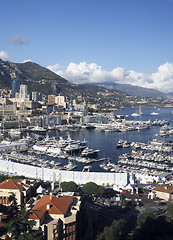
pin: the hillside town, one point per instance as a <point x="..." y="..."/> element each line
<point x="37" y="109"/>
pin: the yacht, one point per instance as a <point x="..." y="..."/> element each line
<point x="87" y="168"/>
<point x="154" y="113"/>
<point x="135" y="114"/>
<point x="87" y="152"/>
<point x="37" y="129"/>
<point x="70" y="166"/>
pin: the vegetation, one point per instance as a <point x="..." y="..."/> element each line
<point x="149" y="225"/>
<point x="17" y="224"/>
<point x="93" y="188"/>
<point x="170" y="209"/>
<point x="153" y="227"/>
<point x="69" y="186"/>
<point x="4" y="177"/>
<point x="117" y="231"/>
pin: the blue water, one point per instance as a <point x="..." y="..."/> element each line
<point x="106" y="141"/>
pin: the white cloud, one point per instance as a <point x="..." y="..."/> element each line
<point x="54" y="68"/>
<point x="19" y="40"/>
<point x="86" y="73"/>
<point x="4" y="55"/>
<point x="27" y="60"/>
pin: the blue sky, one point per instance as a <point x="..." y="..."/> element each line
<point x="127" y="41"/>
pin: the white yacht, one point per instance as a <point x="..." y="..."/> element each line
<point x="89" y="152"/>
<point x="87" y="168"/>
<point x="154" y="113"/>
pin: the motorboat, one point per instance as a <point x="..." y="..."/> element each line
<point x="70" y="166"/>
<point x="87" y="168"/>
<point x="154" y="113"/>
<point x="37" y="129"/>
<point x="87" y="152"/>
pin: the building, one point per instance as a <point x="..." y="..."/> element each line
<point x="57" y="216"/>
<point x="23" y="91"/>
<point x="23" y="190"/>
<point x="99" y="118"/>
<point x="36" y="96"/>
<point x="61" y="101"/>
<point x="15" y="88"/>
<point x="51" y="99"/>
<point x="7" y="107"/>
<point x="164" y="191"/>
<point x="35" y="121"/>
<point x="51" y="120"/>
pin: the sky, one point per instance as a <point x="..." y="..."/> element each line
<point x="123" y="41"/>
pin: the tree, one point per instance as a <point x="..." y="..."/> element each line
<point x="151" y="226"/>
<point x="117" y="231"/>
<point x="17" y="224"/>
<point x="142" y="218"/>
<point x="69" y="186"/>
<point x="92" y="188"/>
<point x="170" y="209"/>
<point x="101" y="190"/>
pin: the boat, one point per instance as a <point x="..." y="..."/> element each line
<point x="15" y="132"/>
<point x="70" y="166"/>
<point x="37" y="129"/>
<point x="87" y="168"/>
<point x="137" y="114"/>
<point x="87" y="152"/>
<point x="120" y="143"/>
<point x="154" y="113"/>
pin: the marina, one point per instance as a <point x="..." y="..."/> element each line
<point x="130" y="145"/>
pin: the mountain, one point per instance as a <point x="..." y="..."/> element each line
<point x="133" y="90"/>
<point x="36" y="77"/>
<point x="41" y="79"/>
<point x="105" y="95"/>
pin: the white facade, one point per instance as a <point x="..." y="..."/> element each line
<point x="60" y="101"/>
<point x="23" y="91"/>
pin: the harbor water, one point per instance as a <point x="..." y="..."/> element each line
<point x="106" y="142"/>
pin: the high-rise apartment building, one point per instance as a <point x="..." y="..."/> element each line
<point x="23" y="91"/>
<point x="15" y="88"/>
<point x="36" y="96"/>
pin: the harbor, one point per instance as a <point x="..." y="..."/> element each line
<point x="140" y="148"/>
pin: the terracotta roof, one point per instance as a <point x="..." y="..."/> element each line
<point x="53" y="204"/>
<point x="167" y="188"/>
<point x="37" y="214"/>
<point x="3" y="216"/>
<point x="13" y="184"/>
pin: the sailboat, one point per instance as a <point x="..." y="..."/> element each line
<point x="137" y="114"/>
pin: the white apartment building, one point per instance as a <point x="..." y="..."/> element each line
<point x="61" y="101"/>
<point x="23" y="91"/>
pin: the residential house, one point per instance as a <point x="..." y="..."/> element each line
<point x="57" y="216"/>
<point x="164" y="191"/>
<point x="23" y="190"/>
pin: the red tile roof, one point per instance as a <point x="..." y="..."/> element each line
<point x="37" y="214"/>
<point x="53" y="204"/>
<point x="167" y="188"/>
<point x="13" y="184"/>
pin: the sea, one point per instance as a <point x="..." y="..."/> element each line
<point x="106" y="142"/>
